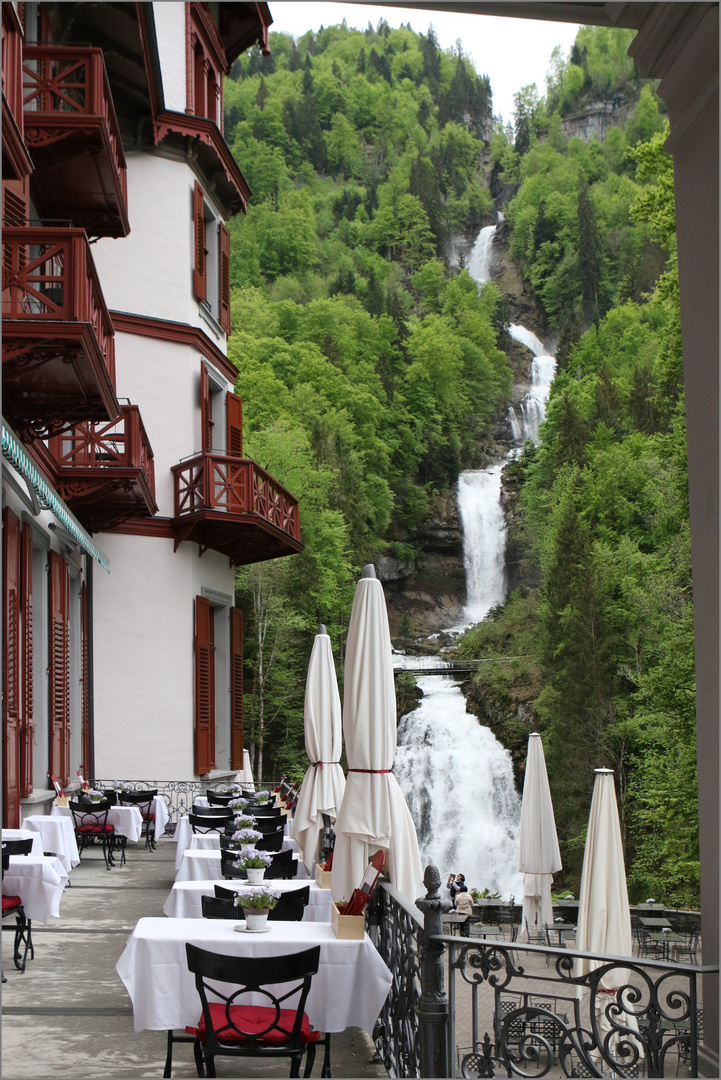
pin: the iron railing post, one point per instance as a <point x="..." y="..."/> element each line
<point x="433" y="1004"/>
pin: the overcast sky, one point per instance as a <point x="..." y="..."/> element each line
<point x="512" y="52"/>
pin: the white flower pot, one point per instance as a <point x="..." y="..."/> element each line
<point x="255" y="876"/>
<point x="256" y="919"/>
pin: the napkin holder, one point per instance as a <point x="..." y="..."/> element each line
<point x="350" y="927"/>
<point x="322" y="877"/>
<point x="62" y="800"/>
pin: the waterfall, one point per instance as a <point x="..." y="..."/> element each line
<point x="484" y="541"/>
<point x="543" y="368"/>
<point x="479" y="261"/>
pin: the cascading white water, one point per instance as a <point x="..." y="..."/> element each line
<point x="479" y="261"/>
<point x="457" y="780"/>
<point x="533" y="406"/>
<point x="484" y="541"/>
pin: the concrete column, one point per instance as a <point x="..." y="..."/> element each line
<point x="678" y="43"/>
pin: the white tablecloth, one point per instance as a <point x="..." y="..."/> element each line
<point x="348" y="991"/>
<point x="185" y="838"/>
<point x="184" y="899"/>
<point x="39" y="881"/>
<point x="25" y="834"/>
<point x="159" y="807"/>
<point x="57" y="835"/>
<point x="126" y="820"/>
<point x="204" y="865"/>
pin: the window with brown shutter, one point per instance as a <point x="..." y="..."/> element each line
<point x="85" y="704"/>
<point x="204" y="687"/>
<point x="200" y="269"/>
<point x="59" y="696"/>
<point x="224" y="276"/>
<point x="236" y="688"/>
<point x="11" y="670"/>
<point x="27" y="716"/>
<point x="206" y="409"/>
<point x="234" y="424"/>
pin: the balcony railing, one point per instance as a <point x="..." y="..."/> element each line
<point x="49" y="275"/>
<point x="123" y="444"/>
<point x="67" y="98"/>
<point x="233" y="485"/>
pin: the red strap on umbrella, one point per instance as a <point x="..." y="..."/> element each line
<point x="315" y="764"/>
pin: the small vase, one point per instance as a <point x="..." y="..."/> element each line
<point x="255" y="919"/>
<point x="255" y="875"/>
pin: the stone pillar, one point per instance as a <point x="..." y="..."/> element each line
<point x="679" y="44"/>
<point x="433" y="1004"/>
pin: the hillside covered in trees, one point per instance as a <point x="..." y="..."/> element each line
<point x="373" y="371"/>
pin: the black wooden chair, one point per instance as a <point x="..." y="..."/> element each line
<point x="144" y="802"/>
<point x="90" y="820"/>
<point x="283" y="865"/>
<point x="280" y="1029"/>
<point x="207" y="823"/>
<point x="214" y="907"/>
<point x="271" y="842"/>
<point x="226" y="866"/>
<point x="219" y="798"/>
<point x="290" y="907"/>
<point x="212" y="811"/>
<point x="13" y="906"/>
<point x="268" y="825"/>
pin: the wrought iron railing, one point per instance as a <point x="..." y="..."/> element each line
<point x="535" y="1011"/>
<point x="49" y="274"/>
<point x="395" y="927"/>
<point x="64" y="85"/>
<point x="233" y="485"/>
<point x="122" y="443"/>
<point x="178" y="794"/>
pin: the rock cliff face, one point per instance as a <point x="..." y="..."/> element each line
<point x="597" y="117"/>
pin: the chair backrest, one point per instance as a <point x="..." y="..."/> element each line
<point x="213" y="811"/>
<point x="291" y="906"/>
<point x="217" y="798"/>
<point x="271" y="841"/>
<point x="216" y="908"/>
<point x="111" y="795"/>
<point x="266" y="810"/>
<point x="221" y="893"/>
<point x="141" y="799"/>
<point x="204" y="823"/>
<point x="90" y="816"/>
<point x="227" y="869"/>
<point x="17" y="847"/>
<point x="247" y="975"/>
<point x="267" y="825"/>
<point x="283" y="866"/>
<point x="6" y="858"/>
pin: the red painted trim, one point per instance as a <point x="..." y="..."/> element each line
<point x="202" y="21"/>
<point x="162" y="527"/>
<point x="198" y="127"/>
<point x="188" y="62"/>
<point x="265" y="19"/>
<point x="166" y="330"/>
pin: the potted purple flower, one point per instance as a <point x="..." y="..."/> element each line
<point x="238" y="804"/>
<point x="262" y="797"/>
<point x="247" y="836"/>
<point x="254" y="862"/>
<point x="256" y="903"/>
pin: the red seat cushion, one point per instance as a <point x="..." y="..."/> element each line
<point x="97" y="828"/>
<point x="10" y="902"/>
<point x="252" y="1019"/>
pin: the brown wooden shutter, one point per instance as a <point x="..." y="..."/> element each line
<point x="59" y="669"/>
<point x="199" y="273"/>
<point x="11" y="669"/>
<point x="85" y="706"/>
<point x="234" y="424"/>
<point x="236" y="688"/>
<point x="224" y="276"/>
<point x="204" y="687"/>
<point x="206" y="409"/>
<point x="26" y="728"/>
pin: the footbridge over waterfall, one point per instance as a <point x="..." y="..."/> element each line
<point x="455" y="667"/>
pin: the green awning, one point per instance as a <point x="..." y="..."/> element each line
<point x="48" y="498"/>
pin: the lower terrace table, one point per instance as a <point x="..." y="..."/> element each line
<point x="126" y="820"/>
<point x="56" y="835"/>
<point x="186" y="839"/>
<point x="39" y="880"/>
<point x="25" y="834"/>
<point x="203" y="864"/>
<point x="349" y="989"/>
<point x="184" y="900"/>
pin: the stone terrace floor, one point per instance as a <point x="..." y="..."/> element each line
<point x="69" y="1015"/>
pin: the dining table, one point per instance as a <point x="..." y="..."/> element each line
<point x="348" y="990"/>
<point x="186" y="840"/>
<point x="655" y="924"/>
<point x="556" y="930"/>
<point x="203" y="864"/>
<point x="126" y="820"/>
<point x="56" y="835"/>
<point x="24" y="834"/>
<point x="39" y="881"/>
<point x="184" y="899"/>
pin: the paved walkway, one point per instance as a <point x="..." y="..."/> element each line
<point x="69" y="1015"/>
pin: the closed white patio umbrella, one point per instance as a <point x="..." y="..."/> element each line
<point x="324" y="783"/>
<point x="245" y="776"/>
<point x="373" y="813"/>
<point x="538" y="858"/>
<point x="604" y="917"/>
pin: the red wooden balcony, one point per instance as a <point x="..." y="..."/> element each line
<point x="231" y="505"/>
<point x="105" y="472"/>
<point x="74" y="138"/>
<point x="16" y="162"/>
<point x="58" y="344"/>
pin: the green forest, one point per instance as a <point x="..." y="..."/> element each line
<point x="373" y="370"/>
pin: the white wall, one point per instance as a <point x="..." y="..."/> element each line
<point x="144" y="657"/>
<point x="170" y="33"/>
<point x="150" y="272"/>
